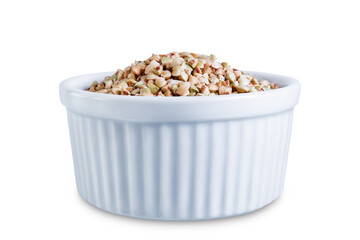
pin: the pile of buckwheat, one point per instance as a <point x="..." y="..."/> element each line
<point x="180" y="74"/>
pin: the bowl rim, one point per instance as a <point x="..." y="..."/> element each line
<point x="178" y="109"/>
<point x="68" y="86"/>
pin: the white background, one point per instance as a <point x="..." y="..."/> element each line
<point x="44" y="42"/>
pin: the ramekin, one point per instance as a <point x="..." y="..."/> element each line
<point x="180" y="158"/>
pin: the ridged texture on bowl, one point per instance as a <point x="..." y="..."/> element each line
<point x="180" y="171"/>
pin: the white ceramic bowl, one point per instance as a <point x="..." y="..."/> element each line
<point x="180" y="158"/>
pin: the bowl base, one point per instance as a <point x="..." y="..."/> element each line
<point x="182" y="219"/>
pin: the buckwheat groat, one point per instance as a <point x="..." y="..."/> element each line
<point x="180" y="74"/>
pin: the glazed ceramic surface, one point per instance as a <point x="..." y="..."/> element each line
<point x="180" y="158"/>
